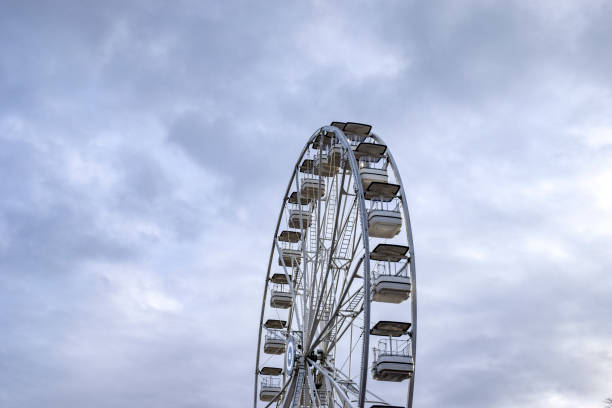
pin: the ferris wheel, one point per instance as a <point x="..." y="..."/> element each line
<point x="339" y="314"/>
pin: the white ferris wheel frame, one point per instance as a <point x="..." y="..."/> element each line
<point x="365" y="260"/>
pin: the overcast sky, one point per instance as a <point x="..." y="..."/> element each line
<point x="144" y="151"/>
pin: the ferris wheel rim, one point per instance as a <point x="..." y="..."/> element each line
<point x="365" y="258"/>
<point x="409" y="237"/>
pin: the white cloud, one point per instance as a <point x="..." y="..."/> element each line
<point x="330" y="41"/>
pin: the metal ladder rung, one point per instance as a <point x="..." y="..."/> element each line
<point x="331" y="213"/>
<point x="346" y="237"/>
<point x="354" y="302"/>
<point x="298" y="387"/>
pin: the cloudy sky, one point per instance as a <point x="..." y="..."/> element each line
<point x="144" y="151"/>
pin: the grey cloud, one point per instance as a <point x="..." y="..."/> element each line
<point x="184" y="123"/>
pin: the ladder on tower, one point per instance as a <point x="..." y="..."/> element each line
<point x="312" y="236"/>
<point x="352" y="305"/>
<point x="351" y="309"/>
<point x="298" y="387"/>
<point x="298" y="280"/>
<point x="347" y="235"/>
<point x="323" y="397"/>
<point x="325" y="316"/>
<point x="331" y="211"/>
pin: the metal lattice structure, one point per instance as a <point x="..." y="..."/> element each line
<point x="340" y="279"/>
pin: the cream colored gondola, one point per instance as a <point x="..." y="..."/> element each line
<point x="392" y="361"/>
<point x="312" y="187"/>
<point x="280" y="297"/>
<point x="371" y="175"/>
<point x="269" y="388"/>
<point x="296" y="214"/>
<point x="274" y="342"/>
<point x="289" y="257"/>
<point x="383" y="223"/>
<point x="293" y="199"/>
<point x="307" y="166"/>
<point x="290" y="236"/>
<point x="391" y="289"/>
<point x="327" y="165"/>
<point x="336" y="152"/>
<point x="391" y="283"/>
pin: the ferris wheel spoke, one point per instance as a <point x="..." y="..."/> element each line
<point x="352" y="305"/>
<point x="347" y="378"/>
<point x="319" y="337"/>
<point x="338" y="387"/>
<point x="324" y="295"/>
<point x="348" y="278"/>
<point x="317" y="310"/>
<point x="346" y="230"/>
<point x="343" y="331"/>
<point x="314" y="398"/>
<point x="276" y="398"/>
<point x="356" y="246"/>
<point x="312" y="314"/>
<point x="331" y="298"/>
<point x="346" y="283"/>
<point x="315" y="264"/>
<point x="331" y="196"/>
<point x="343" y="328"/>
